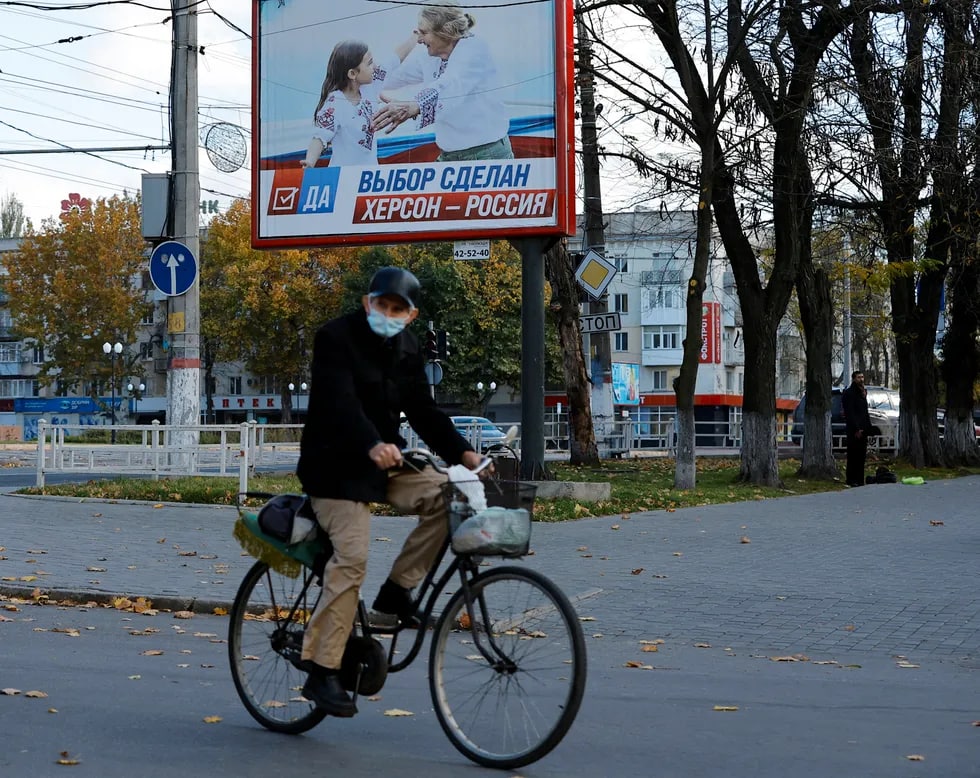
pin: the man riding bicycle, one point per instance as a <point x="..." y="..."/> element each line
<point x="367" y="370"/>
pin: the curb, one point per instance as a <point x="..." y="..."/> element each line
<point x="81" y="597"/>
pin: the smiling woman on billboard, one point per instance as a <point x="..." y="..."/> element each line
<point x="465" y="133"/>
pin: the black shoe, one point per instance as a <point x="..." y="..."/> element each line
<point x="394" y="607"/>
<point x="327" y="691"/>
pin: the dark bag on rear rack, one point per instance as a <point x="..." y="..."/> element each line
<point x="288" y="518"/>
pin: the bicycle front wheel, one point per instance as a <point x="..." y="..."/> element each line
<point x="507" y="678"/>
<point x="264" y="646"/>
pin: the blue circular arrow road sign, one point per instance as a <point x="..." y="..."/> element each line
<point x="173" y="268"/>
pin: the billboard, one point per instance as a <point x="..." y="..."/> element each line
<point x="626" y="383"/>
<point x="380" y="122"/>
<point x="710" y="333"/>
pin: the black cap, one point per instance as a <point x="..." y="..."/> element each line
<point x="396" y="281"/>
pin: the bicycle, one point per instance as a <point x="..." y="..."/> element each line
<point x="507" y="663"/>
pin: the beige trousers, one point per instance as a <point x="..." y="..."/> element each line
<point x="348" y="525"/>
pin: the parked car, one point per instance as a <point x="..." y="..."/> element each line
<point x="479" y="431"/>
<point x="883" y="408"/>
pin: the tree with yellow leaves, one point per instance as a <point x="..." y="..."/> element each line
<point x="263" y="307"/>
<point x="75" y="284"/>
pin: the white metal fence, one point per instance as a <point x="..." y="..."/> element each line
<point x="157" y="450"/>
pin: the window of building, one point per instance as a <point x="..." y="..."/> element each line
<point x="622" y="264"/>
<point x="38" y="355"/>
<point x="621" y="303"/>
<point x="235" y="384"/>
<point x="660" y="381"/>
<point x="147" y="316"/>
<point x="9" y="352"/>
<point x="665" y="337"/>
<point x="621" y="342"/>
<point x="266" y="384"/>
<point x="146" y="350"/>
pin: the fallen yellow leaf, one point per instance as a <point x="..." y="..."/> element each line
<point x="744" y="539"/>
<point x="183" y="615"/>
<point x="36" y="695"/>
<point x="10" y="692"/>
<point x="916" y="758"/>
<point x="151" y="652"/>
<point x="726" y="708"/>
<point x="650" y="649"/>
<point x="398" y="712"/>
<point x="66" y="759"/>
<point x="212" y="719"/>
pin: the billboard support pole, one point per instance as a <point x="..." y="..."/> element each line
<point x="532" y="358"/>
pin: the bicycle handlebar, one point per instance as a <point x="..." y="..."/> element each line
<point x="409" y="454"/>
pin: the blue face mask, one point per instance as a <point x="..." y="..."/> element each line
<point x="385" y="326"/>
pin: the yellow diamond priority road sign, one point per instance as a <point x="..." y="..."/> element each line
<point x="595" y="273"/>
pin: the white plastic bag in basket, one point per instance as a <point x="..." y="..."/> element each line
<point x="469" y="484"/>
<point x="500" y="529"/>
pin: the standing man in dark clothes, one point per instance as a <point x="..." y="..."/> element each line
<point x="855" y="405"/>
<point x="367" y="369"/>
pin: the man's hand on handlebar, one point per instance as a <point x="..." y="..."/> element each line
<point x="385" y="455"/>
<point x="474" y="460"/>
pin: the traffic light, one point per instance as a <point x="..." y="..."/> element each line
<point x="431" y="345"/>
<point x="443" y="338"/>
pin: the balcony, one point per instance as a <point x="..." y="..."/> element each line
<point x="662" y="357"/>
<point x="160" y="364"/>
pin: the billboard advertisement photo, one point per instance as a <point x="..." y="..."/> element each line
<point x="379" y="122"/>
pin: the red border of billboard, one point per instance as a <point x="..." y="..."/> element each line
<point x="564" y="162"/>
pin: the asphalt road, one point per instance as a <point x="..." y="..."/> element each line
<point x="873" y="591"/>
<point x="121" y="713"/>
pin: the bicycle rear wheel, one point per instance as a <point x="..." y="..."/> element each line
<point x="507" y="682"/>
<point x="264" y="646"/>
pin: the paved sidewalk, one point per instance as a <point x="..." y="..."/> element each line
<point x="886" y="568"/>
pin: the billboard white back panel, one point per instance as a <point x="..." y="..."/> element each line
<point x="410" y="135"/>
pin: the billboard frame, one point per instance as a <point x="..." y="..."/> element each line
<point x="564" y="162"/>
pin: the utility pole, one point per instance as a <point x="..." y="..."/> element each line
<point x="184" y="313"/>
<point x="595" y="239"/>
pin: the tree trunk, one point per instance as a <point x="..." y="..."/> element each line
<point x="560" y="272"/>
<point x="685" y="468"/>
<point x="816" y="313"/>
<point x="959" y="437"/>
<point x="759" y="463"/>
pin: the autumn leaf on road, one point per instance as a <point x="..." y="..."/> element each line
<point x="398" y="712"/>
<point x="67" y="759"/>
<point x="212" y="719"/>
<point x="726" y="708"/>
<point x="36" y="695"/>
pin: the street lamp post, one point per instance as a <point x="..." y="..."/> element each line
<point x="485" y="395"/>
<point x="292" y="391"/>
<point x="136" y="392"/>
<point x="113" y="350"/>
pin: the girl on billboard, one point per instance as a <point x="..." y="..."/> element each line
<point x="343" y="119"/>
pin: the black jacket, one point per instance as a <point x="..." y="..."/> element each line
<point x="360" y="385"/>
<point x="854" y="403"/>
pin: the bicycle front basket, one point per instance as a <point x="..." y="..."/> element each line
<point x="502" y="529"/>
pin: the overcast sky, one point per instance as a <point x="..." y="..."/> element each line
<point x="110" y="89"/>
